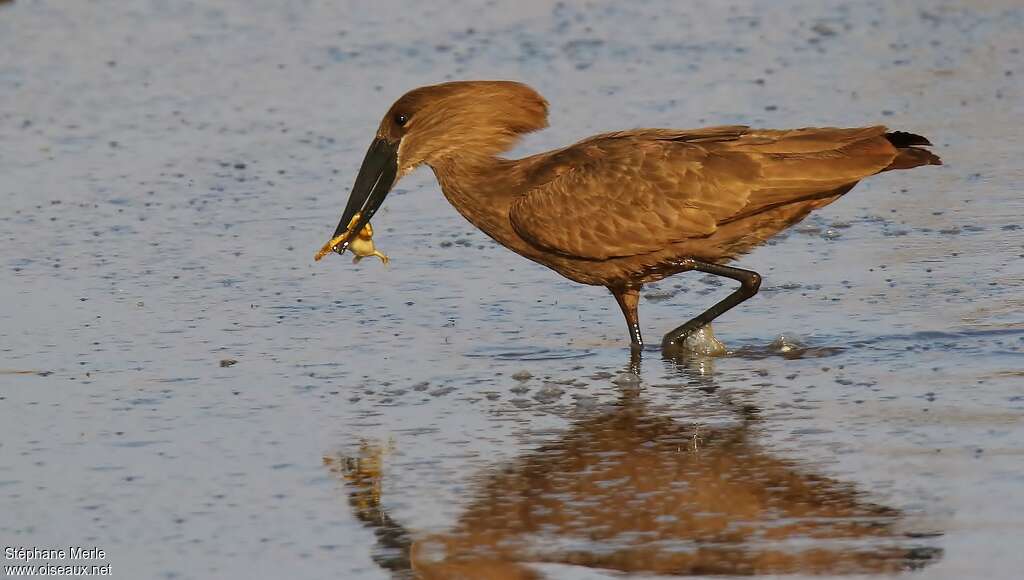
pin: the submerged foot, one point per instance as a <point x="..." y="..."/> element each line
<point x="701" y="342"/>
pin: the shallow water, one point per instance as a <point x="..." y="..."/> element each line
<point x="171" y="167"/>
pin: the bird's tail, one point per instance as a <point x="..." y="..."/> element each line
<point x="910" y="151"/>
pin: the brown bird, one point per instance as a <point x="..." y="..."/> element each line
<point x="620" y="209"/>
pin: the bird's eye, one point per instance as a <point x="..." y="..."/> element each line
<point x="401" y="119"/>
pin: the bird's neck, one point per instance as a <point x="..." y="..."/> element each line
<point x="482" y="189"/>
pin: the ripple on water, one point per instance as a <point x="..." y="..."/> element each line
<point x="528" y="353"/>
<point x="786" y="345"/>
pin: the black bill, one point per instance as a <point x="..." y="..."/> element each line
<point x="374" y="181"/>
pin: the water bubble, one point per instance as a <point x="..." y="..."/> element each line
<point x="787" y="343"/>
<point x="703" y="342"/>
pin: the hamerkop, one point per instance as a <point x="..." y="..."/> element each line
<point x="620" y="209"/>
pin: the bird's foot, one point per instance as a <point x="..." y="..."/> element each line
<point x="700" y="341"/>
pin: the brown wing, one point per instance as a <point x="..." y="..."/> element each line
<point x="635" y="192"/>
<point x="801" y="163"/>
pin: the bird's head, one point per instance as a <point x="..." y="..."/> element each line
<point x="438" y="123"/>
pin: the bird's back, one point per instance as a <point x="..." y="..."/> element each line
<point x="636" y="192"/>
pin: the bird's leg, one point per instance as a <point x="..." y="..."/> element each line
<point x="749" y="281"/>
<point x="628" y="297"/>
<point x="634" y="360"/>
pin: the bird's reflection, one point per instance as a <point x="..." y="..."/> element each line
<point x="635" y="490"/>
<point x="363" y="475"/>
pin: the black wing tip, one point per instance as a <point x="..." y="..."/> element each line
<point x="905" y="139"/>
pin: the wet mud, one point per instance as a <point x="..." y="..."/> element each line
<point x="182" y="386"/>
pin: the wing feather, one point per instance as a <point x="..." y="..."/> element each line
<point x="635" y="192"/>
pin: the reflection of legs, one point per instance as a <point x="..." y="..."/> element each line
<point x="749" y="281"/>
<point x="628" y="297"/>
<point x="634" y="360"/>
